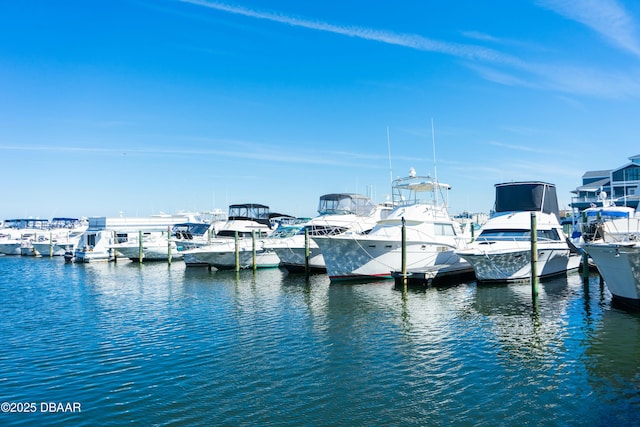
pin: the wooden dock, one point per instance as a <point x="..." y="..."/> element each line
<point x="447" y="275"/>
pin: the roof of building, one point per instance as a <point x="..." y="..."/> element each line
<point x="594" y="186"/>
<point x="597" y="174"/>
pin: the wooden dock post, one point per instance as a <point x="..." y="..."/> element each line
<point x="140" y="253"/>
<point x="169" y="245"/>
<point x="115" y="252"/>
<point x="585" y="256"/>
<point x="306" y="254"/>
<point x="253" y="250"/>
<point x="534" y="258"/>
<point x="237" y="251"/>
<point x="404" y="254"/>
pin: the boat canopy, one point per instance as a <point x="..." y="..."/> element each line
<point x="26" y="223"/>
<point x="345" y="204"/>
<point x="534" y="196"/>
<point x="608" y="213"/>
<point x="249" y="211"/>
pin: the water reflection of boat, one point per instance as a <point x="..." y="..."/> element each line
<point x="612" y="358"/>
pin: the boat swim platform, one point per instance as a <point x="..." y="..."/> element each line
<point x="447" y="275"/>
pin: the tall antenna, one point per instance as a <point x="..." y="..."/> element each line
<point x="435" y="171"/>
<point x="389" y="150"/>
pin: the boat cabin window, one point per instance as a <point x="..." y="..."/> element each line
<point x="444" y="230"/>
<point x="232" y="233"/>
<point x="518" y="235"/>
<point x="91" y="240"/>
<point x="122" y="237"/>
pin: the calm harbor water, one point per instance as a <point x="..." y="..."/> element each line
<point x="153" y="344"/>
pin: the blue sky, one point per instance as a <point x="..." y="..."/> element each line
<point x="144" y="107"/>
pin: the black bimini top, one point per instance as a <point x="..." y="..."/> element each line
<point x="532" y="196"/>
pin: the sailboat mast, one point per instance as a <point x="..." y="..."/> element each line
<point x="389" y="151"/>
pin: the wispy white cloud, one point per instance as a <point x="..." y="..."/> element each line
<point x="407" y="40"/>
<point x="607" y="17"/>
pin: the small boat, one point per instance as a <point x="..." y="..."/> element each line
<point x="432" y="236"/>
<point x="619" y="266"/>
<point x="339" y="213"/>
<point x="502" y="251"/>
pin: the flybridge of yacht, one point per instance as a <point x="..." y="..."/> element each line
<point x="418" y="189"/>
<point x="345" y="204"/>
<point x="533" y="196"/>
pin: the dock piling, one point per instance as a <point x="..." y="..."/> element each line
<point x="534" y="258"/>
<point x="306" y="254"/>
<point x="237" y="251"/>
<point x="404" y="254"/>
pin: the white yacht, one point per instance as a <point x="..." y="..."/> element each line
<point x="339" y="213"/>
<point x="502" y="251"/>
<point x="17" y="235"/>
<point x="247" y="224"/>
<point x="420" y="208"/>
<point x="62" y="236"/>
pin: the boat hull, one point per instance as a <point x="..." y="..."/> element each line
<point x="294" y="258"/>
<point x="619" y="266"/>
<point x="360" y="257"/>
<point x="222" y="255"/>
<point x="504" y="265"/>
<point x="10" y="247"/>
<point x="149" y="253"/>
<point x="227" y="260"/>
<point x="82" y="256"/>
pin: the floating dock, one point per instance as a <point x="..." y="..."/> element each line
<point x="447" y="275"/>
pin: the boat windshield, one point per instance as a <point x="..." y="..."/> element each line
<point x="324" y="230"/>
<point x="517" y="235"/>
<point x="345" y="204"/>
<point x="188" y="230"/>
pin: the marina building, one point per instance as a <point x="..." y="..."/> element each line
<point x="620" y="186"/>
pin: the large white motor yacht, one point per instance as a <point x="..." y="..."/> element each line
<point x="502" y="251"/>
